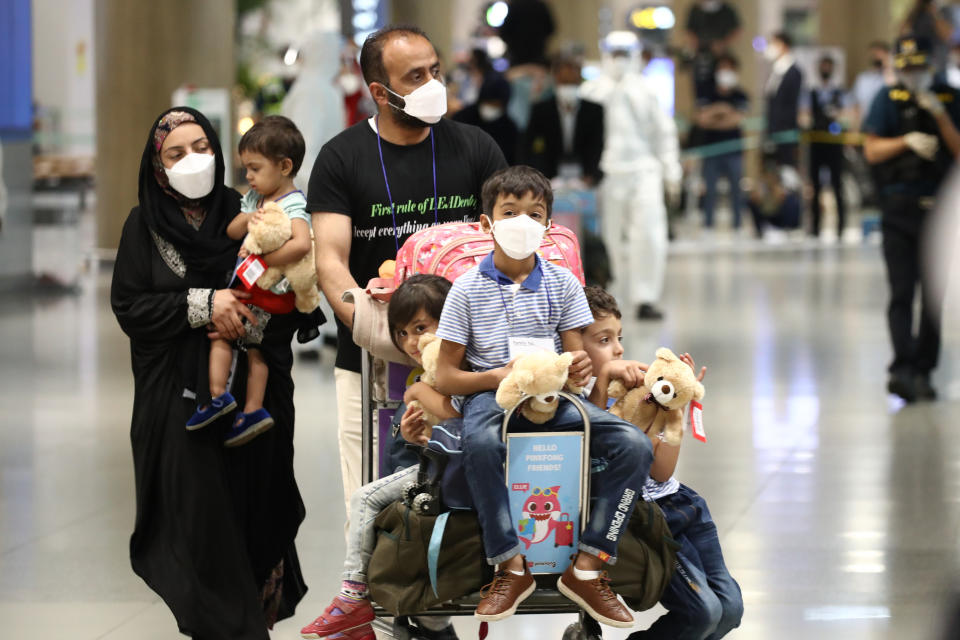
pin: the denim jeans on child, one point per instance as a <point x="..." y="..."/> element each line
<point x="365" y="505"/>
<point x="702" y="598"/>
<point x="625" y="448"/>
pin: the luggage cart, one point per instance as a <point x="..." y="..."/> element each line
<point x="378" y="400"/>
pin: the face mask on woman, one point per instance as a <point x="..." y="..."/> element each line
<point x="192" y="176"/>
<point x="519" y="237"/>
<point x="428" y="102"/>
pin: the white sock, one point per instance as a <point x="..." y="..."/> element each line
<point x="580" y="574"/>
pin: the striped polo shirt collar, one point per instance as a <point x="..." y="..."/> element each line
<point x="532" y="281"/>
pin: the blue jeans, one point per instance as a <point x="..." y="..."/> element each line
<point x="626" y="450"/>
<point x="729" y="165"/>
<point x="702" y="598"/>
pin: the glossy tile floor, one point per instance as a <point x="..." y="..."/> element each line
<point x="837" y="507"/>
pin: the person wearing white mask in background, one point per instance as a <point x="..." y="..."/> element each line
<point x="315" y="102"/>
<point x="720" y="117"/>
<point x="565" y="134"/>
<point x="711" y="29"/>
<point x="489" y="113"/>
<point x="379" y="181"/>
<point x="783" y="98"/>
<point x="871" y="81"/>
<point x="912" y="139"/>
<point x="641" y="154"/>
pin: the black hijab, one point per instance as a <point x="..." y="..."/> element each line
<point x="207" y="250"/>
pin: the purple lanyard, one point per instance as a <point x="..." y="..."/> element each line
<point x="393" y="211"/>
<point x="546" y="290"/>
<point x="260" y="202"/>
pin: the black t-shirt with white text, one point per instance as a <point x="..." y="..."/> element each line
<point x="347" y="178"/>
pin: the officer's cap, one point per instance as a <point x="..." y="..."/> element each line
<point x="912" y="52"/>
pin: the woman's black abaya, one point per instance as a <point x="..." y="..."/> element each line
<point x="213" y="525"/>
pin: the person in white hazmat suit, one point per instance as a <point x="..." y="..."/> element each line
<point x="641" y="155"/>
<point x="315" y="101"/>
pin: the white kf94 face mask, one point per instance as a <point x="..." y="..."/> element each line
<point x="193" y="175"/>
<point x="428" y="102"/>
<point x="519" y="237"/>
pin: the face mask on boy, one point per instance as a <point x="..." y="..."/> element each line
<point x="519" y="237"/>
<point x="192" y="176"/>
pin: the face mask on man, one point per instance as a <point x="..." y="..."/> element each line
<point x="619" y="66"/>
<point x="772" y="52"/>
<point x="877" y="63"/>
<point x="917" y="81"/>
<point x="567" y="93"/>
<point x="519" y="237"/>
<point x="826" y="74"/>
<point x="192" y="176"/>
<point x="427" y="103"/>
<point x="727" y="78"/>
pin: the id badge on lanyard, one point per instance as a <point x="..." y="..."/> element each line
<point x="520" y="346"/>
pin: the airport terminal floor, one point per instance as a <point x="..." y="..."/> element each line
<point x="837" y="507"/>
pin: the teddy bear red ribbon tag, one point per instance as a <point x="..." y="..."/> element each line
<point x="696" y="421"/>
<point x="251" y="269"/>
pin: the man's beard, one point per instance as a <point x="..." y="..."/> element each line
<point x="401" y="117"/>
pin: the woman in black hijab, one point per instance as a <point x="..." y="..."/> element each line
<point x="215" y="527"/>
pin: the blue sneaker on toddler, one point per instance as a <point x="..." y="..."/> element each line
<point x="248" y="426"/>
<point x="224" y="403"/>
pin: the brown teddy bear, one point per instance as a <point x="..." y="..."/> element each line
<point x="429" y="346"/>
<point x="536" y="377"/>
<point x="657" y="405"/>
<point x="268" y="234"/>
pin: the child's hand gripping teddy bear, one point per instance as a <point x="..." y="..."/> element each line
<point x="429" y="346"/>
<point x="656" y="406"/>
<point x="268" y="234"/>
<point x="536" y="377"/>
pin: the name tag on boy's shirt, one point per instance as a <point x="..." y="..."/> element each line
<point x="696" y="421"/>
<point x="523" y="346"/>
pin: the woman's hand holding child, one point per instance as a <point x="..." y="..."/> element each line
<point x="226" y="316"/>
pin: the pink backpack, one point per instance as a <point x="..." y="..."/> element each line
<point x="450" y="249"/>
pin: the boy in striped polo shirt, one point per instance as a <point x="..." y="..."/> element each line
<point x="511" y="303"/>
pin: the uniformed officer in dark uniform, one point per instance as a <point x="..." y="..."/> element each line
<point x="912" y="140"/>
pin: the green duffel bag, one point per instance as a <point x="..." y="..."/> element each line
<point x="399" y="572"/>
<point x="646" y="557"/>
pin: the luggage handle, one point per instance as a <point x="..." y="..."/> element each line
<point x="585" y="457"/>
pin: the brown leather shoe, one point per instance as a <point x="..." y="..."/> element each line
<point x="501" y="597"/>
<point x="596" y="598"/>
